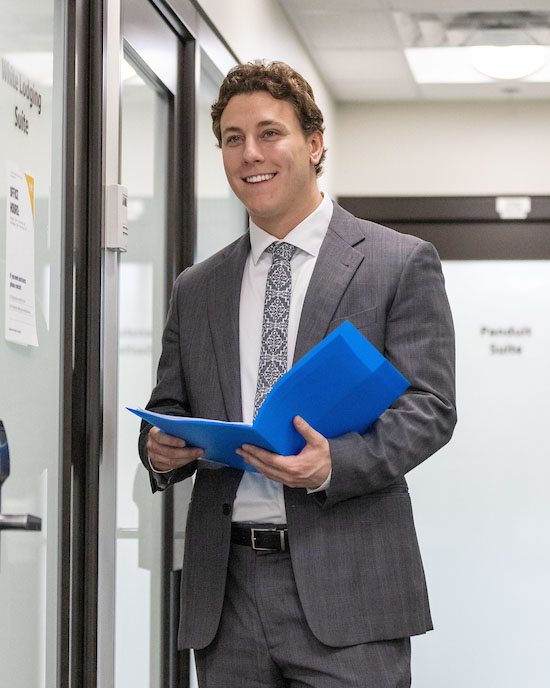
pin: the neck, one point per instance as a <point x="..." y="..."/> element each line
<point x="279" y="227"/>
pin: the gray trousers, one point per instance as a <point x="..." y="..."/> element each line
<point x="264" y="640"/>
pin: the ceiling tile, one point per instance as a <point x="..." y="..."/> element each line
<point x="330" y="6"/>
<point x="491" y="91"/>
<point x="455" y="6"/>
<point x="358" y="50"/>
<point x="363" y="65"/>
<point x="349" y="30"/>
<point x="352" y="91"/>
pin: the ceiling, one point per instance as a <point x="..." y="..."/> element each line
<point x="359" y="45"/>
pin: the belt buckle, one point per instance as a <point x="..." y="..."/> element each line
<point x="253" y="532"/>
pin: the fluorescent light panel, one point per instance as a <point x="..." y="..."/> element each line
<point x="479" y="64"/>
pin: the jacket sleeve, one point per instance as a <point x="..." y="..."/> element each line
<point x="419" y="342"/>
<point x="169" y="396"/>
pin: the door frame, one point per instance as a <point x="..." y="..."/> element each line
<point x="80" y="384"/>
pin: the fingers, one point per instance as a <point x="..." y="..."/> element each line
<point x="271" y="465"/>
<point x="311" y="436"/>
<point x="166" y="440"/>
<point x="310" y="468"/>
<point x="167" y="452"/>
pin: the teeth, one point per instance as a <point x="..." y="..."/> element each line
<point x="259" y="178"/>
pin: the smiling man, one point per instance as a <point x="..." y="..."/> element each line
<point x="269" y="161"/>
<point x="306" y="572"/>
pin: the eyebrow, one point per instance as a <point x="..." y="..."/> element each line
<point x="270" y="122"/>
<point x="263" y="123"/>
<point x="229" y="130"/>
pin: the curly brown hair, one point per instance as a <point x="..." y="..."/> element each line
<point x="281" y="82"/>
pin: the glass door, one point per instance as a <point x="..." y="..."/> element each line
<point x="142" y="306"/>
<point x="145" y="166"/>
<point x="31" y="318"/>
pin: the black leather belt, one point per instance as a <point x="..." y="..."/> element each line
<point x="261" y="538"/>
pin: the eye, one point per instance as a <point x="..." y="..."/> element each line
<point x="270" y="133"/>
<point x="234" y="138"/>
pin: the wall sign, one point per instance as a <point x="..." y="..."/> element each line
<point x="30" y="95"/>
<point x="506" y="340"/>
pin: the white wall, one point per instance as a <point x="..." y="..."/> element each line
<point x="260" y="30"/>
<point x="480" y="504"/>
<point x="443" y="148"/>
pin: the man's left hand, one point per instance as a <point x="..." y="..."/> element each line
<point x="310" y="468"/>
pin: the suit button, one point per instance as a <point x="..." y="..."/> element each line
<point x="226" y="509"/>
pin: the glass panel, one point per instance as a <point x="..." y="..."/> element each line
<point x="31" y="91"/>
<point x="221" y="217"/>
<point x="141" y="318"/>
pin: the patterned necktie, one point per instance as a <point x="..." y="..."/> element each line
<point x="274" y="349"/>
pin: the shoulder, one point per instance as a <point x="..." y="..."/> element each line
<point x="379" y="244"/>
<point x="199" y="274"/>
<point x="372" y="232"/>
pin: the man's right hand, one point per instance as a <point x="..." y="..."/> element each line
<point x="167" y="452"/>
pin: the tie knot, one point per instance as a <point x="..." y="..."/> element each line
<point x="281" y="250"/>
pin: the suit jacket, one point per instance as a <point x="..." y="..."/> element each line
<point x="354" y="549"/>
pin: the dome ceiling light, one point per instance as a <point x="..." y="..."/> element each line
<point x="474" y="47"/>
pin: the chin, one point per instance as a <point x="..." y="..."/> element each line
<point x="260" y="209"/>
<point x="263" y="213"/>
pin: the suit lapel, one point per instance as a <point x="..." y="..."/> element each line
<point x="223" y="314"/>
<point x="336" y="264"/>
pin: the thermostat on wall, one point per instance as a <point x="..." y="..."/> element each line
<point x="116" y="218"/>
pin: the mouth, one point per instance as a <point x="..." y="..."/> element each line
<point x="258" y="178"/>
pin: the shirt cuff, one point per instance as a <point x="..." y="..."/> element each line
<point x="157" y="471"/>
<point x="324" y="486"/>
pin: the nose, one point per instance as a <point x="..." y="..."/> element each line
<point x="252" y="151"/>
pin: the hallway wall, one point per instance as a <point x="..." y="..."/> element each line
<point x="443" y="148"/>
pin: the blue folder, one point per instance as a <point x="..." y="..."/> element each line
<point x="342" y="385"/>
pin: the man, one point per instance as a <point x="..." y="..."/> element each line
<point x="307" y="572"/>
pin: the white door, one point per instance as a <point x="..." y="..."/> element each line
<point x="142" y="307"/>
<point x="145" y="59"/>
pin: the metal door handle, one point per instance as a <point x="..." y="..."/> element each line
<point x="20" y="522"/>
<point x="12" y="522"/>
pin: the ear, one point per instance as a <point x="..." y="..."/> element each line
<point x="316" y="143"/>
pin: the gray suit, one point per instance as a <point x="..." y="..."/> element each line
<point x="354" y="550"/>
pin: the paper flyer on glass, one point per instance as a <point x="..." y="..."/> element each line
<point x="20" y="311"/>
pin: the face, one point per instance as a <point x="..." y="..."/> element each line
<point x="269" y="161"/>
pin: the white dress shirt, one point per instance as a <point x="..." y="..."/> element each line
<point x="260" y="500"/>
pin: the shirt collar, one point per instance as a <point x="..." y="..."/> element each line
<point x="307" y="236"/>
